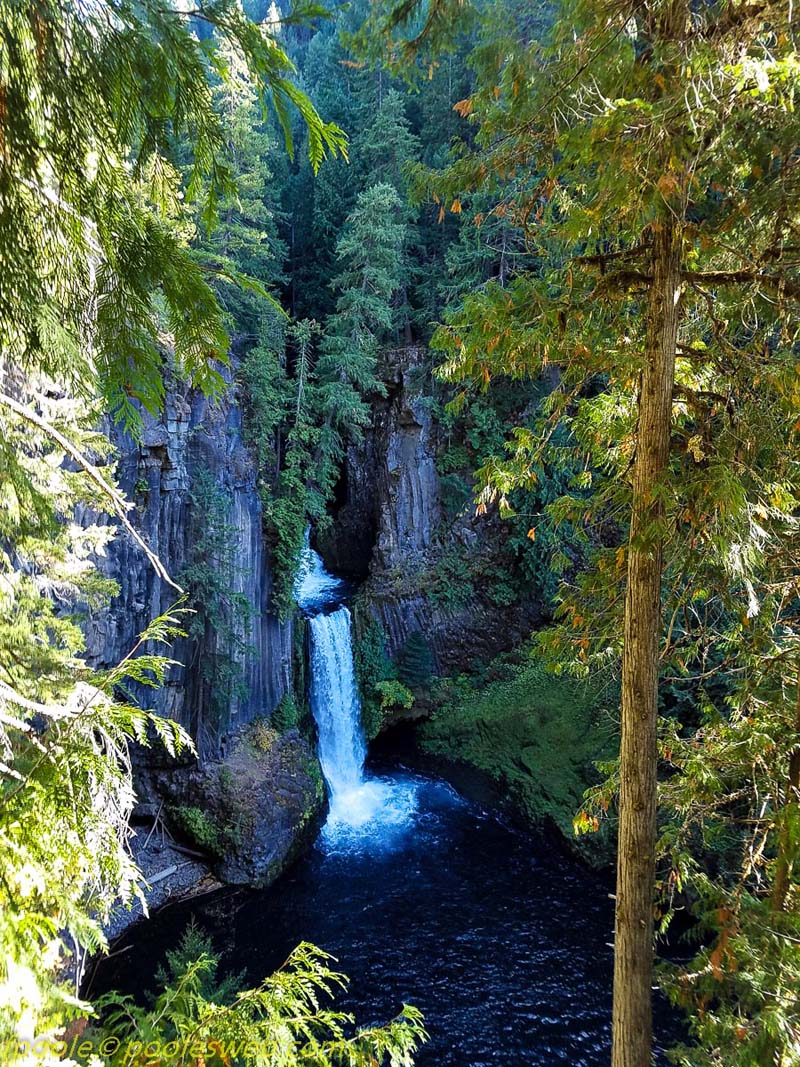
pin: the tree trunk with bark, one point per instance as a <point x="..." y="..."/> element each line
<point x="633" y="945"/>
<point x="783" y="863"/>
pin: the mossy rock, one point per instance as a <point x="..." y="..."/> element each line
<point x="258" y="809"/>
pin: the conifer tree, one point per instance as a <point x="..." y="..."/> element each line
<point x="662" y="138"/>
<point x="94" y="100"/>
<point x="386" y="145"/>
<point x="99" y="282"/>
<point x="370" y="251"/>
<point x="245" y="246"/>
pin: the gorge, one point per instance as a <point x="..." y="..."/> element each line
<point x="422" y="896"/>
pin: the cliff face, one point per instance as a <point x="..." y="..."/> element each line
<point x="257" y="792"/>
<point x="388" y="501"/>
<point x="420" y="561"/>
<point x="194" y="439"/>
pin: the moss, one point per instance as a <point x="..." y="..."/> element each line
<point x="225" y="820"/>
<point x="199" y="827"/>
<point x="537" y="736"/>
<point x="286" y="715"/>
<point x="373" y="668"/>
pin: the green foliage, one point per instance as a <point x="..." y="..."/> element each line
<point x="415" y="661"/>
<point x="375" y="673"/>
<point x="199" y="827"/>
<point x="194" y="943"/>
<point x="262" y="733"/>
<point x="596" y="137"/>
<point x="391" y="127"/>
<point x="394" y="694"/>
<point x="536" y="735"/>
<point x="287" y="715"/>
<point x="64" y="857"/>
<point x="448" y="583"/>
<point x="96" y="227"/>
<point x="281" y="1021"/>
<point x="300" y="422"/>
<point x="243" y="253"/>
<point x="225" y="817"/>
<point x="113" y="148"/>
<point x="222" y="614"/>
<point x="370" y="253"/>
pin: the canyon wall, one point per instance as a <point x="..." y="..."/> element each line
<point x="392" y="530"/>
<point x="194" y="439"/>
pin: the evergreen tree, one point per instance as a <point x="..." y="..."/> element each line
<point x="386" y="145"/>
<point x="370" y="251"/>
<point x="99" y="282"/>
<point x="317" y="205"/>
<point x="245" y="242"/>
<point x="664" y="218"/>
<point x="90" y="195"/>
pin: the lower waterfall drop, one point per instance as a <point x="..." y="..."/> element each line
<point x="361" y="807"/>
<point x="334" y="702"/>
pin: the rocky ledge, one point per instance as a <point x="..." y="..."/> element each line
<point x="241" y="821"/>
<point x="251" y="813"/>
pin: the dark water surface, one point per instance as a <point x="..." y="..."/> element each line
<point x="499" y="938"/>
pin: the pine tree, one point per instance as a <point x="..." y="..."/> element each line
<point x="94" y="101"/>
<point x="317" y="206"/>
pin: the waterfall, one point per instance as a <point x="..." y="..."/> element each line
<point x="373" y="805"/>
<point x="314" y="587"/>
<point x="335" y="704"/>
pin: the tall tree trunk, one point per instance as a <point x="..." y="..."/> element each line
<point x="784" y="861"/>
<point x="633" y="946"/>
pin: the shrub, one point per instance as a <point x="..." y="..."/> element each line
<point x="415" y="664"/>
<point x="394" y="694"/>
<point x="198" y="826"/>
<point x="287" y="715"/>
<point x="536" y="734"/>
<point x="263" y="733"/>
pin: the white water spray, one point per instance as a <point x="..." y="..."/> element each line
<point x="357" y="802"/>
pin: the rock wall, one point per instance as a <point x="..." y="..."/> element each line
<point x="387" y="509"/>
<point x="390" y="528"/>
<point x="194" y="435"/>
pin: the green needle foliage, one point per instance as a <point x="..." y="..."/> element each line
<point x="94" y="100"/>
<point x="65" y="787"/>
<point x="97" y="103"/>
<point x="281" y="1023"/>
<point x="301" y="422"/>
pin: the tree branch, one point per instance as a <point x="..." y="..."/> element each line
<point x="622" y="279"/>
<point x="601" y="258"/>
<point x="119" y="505"/>
<point x="778" y="282"/>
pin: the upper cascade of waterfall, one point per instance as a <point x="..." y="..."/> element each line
<point x="314" y="587"/>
